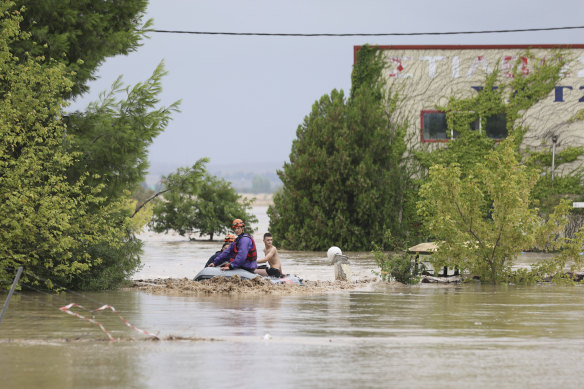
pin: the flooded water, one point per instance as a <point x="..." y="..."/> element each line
<point x="381" y="336"/>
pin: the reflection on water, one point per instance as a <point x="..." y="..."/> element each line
<point x="463" y="336"/>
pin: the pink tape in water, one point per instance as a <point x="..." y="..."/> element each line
<point x="104" y="307"/>
<point x="67" y="308"/>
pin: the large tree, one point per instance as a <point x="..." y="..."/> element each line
<point x="196" y="202"/>
<point x="483" y="218"/>
<point x="45" y="221"/>
<point x="106" y="146"/>
<point x="348" y="181"/>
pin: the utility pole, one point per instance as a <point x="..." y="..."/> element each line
<point x="554" y="141"/>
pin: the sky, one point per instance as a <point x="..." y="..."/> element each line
<point x="243" y="97"/>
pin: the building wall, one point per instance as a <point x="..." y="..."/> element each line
<point x="428" y="75"/>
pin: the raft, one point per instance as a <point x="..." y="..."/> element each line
<point x="210" y="272"/>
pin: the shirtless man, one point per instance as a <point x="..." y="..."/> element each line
<point x="272" y="258"/>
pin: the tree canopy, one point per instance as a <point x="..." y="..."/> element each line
<point x="66" y="180"/>
<point x="45" y="223"/>
<point x="81" y="34"/>
<point x="348" y="182"/>
<point x="482" y="219"/>
<point x="197" y="202"/>
<point x="114" y="133"/>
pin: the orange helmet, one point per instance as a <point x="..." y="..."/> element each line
<point x="229" y="238"/>
<point x="237" y="223"/>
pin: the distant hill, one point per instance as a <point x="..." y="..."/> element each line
<point x="242" y="176"/>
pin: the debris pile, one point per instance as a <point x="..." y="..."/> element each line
<point x="236" y="285"/>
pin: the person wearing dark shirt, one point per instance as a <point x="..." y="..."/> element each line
<point x="229" y="238"/>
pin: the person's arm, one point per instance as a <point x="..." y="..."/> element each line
<point x="210" y="260"/>
<point x="224" y="256"/>
<point x="242" y="250"/>
<point x="268" y="256"/>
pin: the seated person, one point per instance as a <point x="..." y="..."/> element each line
<point x="272" y="258"/>
<point x="241" y="254"/>
<point x="229" y="238"/>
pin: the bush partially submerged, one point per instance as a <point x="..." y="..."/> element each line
<point x="402" y="267"/>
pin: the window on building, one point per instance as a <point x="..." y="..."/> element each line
<point x="435" y="127"/>
<point x="495" y="126"/>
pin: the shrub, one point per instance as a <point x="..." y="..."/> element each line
<point x="401" y="267"/>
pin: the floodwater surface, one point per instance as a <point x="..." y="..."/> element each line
<point x="377" y="336"/>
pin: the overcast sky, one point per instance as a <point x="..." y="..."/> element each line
<point x="243" y="97"/>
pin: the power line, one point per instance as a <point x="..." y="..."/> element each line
<point x="367" y="34"/>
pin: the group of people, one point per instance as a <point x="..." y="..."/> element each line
<point x="239" y="252"/>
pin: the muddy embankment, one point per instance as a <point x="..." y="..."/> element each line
<point x="236" y="286"/>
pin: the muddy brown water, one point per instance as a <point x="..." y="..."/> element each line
<point x="372" y="336"/>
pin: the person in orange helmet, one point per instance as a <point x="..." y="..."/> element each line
<point x="229" y="238"/>
<point x="242" y="250"/>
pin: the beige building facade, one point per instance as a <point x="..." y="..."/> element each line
<point x="427" y="76"/>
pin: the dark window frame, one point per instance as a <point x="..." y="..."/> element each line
<point x="480" y="120"/>
<point x="424" y="140"/>
<point x="452" y="134"/>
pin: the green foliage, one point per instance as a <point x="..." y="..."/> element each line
<point x="199" y="202"/>
<point x="45" y="223"/>
<point x="65" y="182"/>
<point x="367" y="72"/>
<point x="510" y="96"/>
<point x="111" y="139"/>
<point x="569" y="184"/>
<point x="80" y="34"/>
<point x="484" y="218"/>
<point x="543" y="159"/>
<point x="114" y="134"/>
<point x="119" y="259"/>
<point x="348" y="180"/>
<point x="401" y="267"/>
<point x="568" y="259"/>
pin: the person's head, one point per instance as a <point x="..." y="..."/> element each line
<point x="229" y="238"/>
<point x="268" y="239"/>
<point x="238" y="226"/>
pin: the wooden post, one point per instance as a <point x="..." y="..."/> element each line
<point x="14" y="283"/>
<point x="416" y="263"/>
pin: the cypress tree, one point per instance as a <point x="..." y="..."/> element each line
<point x="347" y="182"/>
